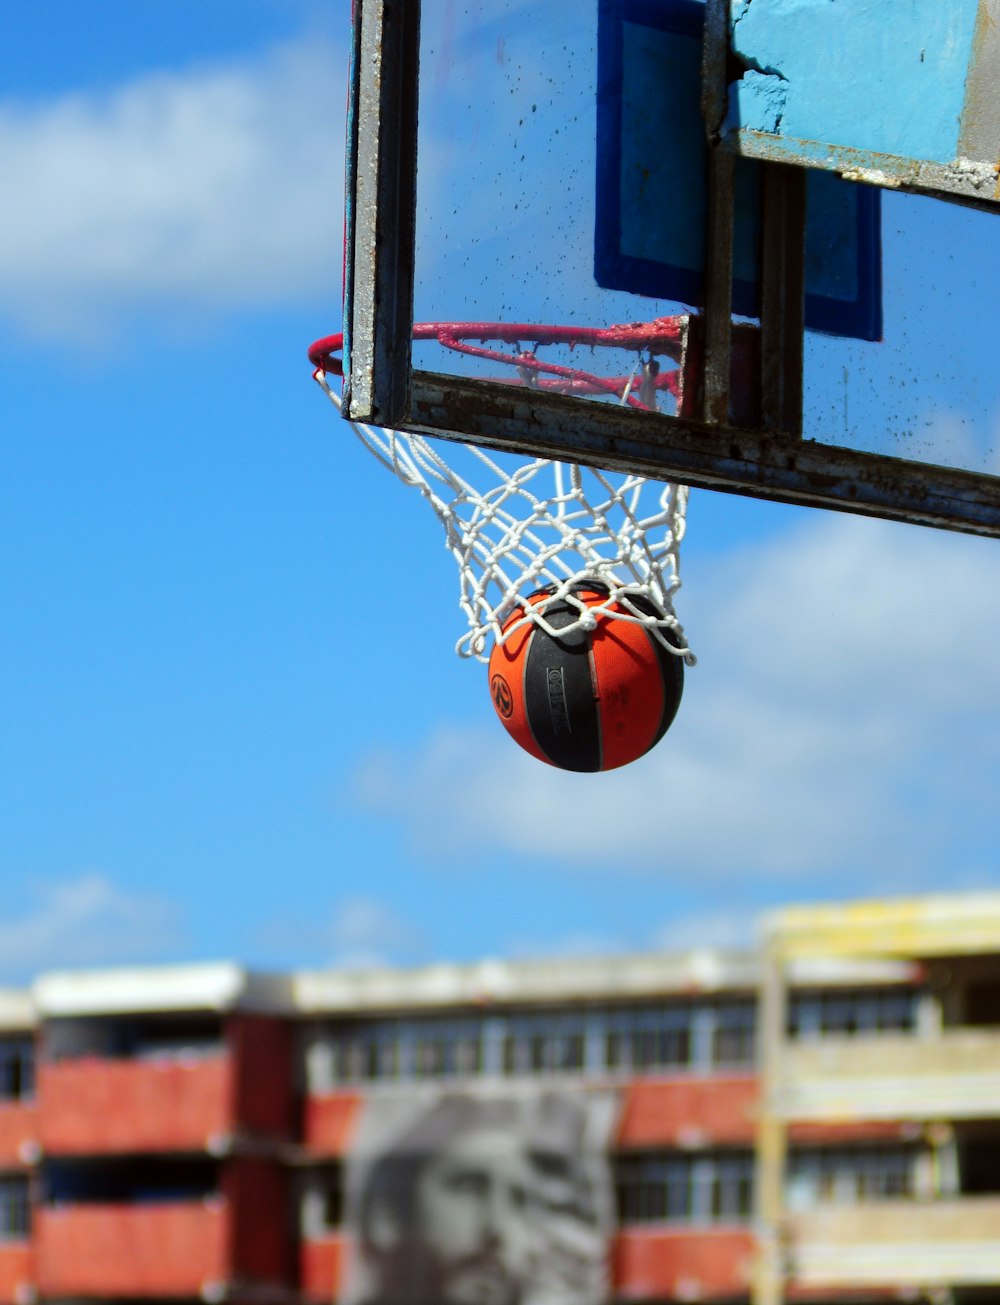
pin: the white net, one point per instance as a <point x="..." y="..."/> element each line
<point x="544" y="525"/>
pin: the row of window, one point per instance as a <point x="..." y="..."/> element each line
<point x="704" y="1187"/>
<point x="667" y="1187"/>
<point x="660" y="1186"/>
<point x="682" y="1035"/>
<point x="700" y="1035"/>
<point x="852" y="1013"/>
<point x="845" y="1175"/>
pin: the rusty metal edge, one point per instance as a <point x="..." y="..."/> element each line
<point x="747" y="462"/>
<point x="956" y="183"/>
<point x="721" y="171"/>
<point x="381" y="171"/>
<point x="782" y="295"/>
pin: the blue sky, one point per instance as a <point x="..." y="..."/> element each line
<point x="234" y="725"/>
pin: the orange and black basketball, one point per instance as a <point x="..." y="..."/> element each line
<point x="587" y="700"/>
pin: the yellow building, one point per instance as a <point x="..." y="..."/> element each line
<point x="916" y="1212"/>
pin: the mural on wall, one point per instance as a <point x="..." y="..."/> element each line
<point x="481" y="1198"/>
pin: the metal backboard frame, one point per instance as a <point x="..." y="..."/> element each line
<point x="772" y="461"/>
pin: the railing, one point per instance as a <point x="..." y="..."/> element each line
<point x="897" y="1243"/>
<point x="18" y="1133"/>
<point x="94" y="1106"/>
<point x="126" y="1250"/>
<point x="681" y="1263"/>
<point x="321" y="1267"/>
<point x="17" y="1272"/>
<point x="892" y="1076"/>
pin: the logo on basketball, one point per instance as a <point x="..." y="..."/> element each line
<point x="503" y="699"/>
<point x="555" y="683"/>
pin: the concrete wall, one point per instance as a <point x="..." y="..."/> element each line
<point x="262" y="1049"/>
<point x="893" y="1076"/>
<point x="898" y="1243"/>
<point x="256" y="1191"/>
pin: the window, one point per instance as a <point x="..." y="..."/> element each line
<point x="544" y="1044"/>
<point x="733" y="1029"/>
<point x="732" y="1189"/>
<point x="355" y="1058"/>
<point x="846" y="1175"/>
<point x="391" y="1049"/>
<point x="168" y="1036"/>
<point x="447" y="1049"/>
<point x="15" y="1211"/>
<point x="678" y="1187"/>
<point x="852" y="1012"/>
<point x="131" y="1180"/>
<point x="649" y="1039"/>
<point x="666" y="1036"/>
<point x="17" y="1068"/>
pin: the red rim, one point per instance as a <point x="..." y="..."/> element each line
<point x="664" y="336"/>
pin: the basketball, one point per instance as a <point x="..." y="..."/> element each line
<point x="592" y="699"/>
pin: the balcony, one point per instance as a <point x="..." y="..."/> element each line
<point x="955" y="1075"/>
<point x="900" y="1244"/>
<point x="94" y="1106"/>
<point x="329" y="1121"/>
<point x="321" y="1267"/>
<point x="689" y="1111"/>
<point x="178" y="1249"/>
<point x="17" y="1272"/>
<point x="682" y="1263"/>
<point x="18" y="1133"/>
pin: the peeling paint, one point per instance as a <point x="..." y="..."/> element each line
<point x="871" y="176"/>
<point x="853" y="85"/>
<point x="763" y="95"/>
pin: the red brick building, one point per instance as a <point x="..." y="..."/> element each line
<point x="185" y="1133"/>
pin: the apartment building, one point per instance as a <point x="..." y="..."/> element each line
<point x="817" y="1120"/>
<point x="923" y="1218"/>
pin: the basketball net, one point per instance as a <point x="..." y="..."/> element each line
<point x="544" y="524"/>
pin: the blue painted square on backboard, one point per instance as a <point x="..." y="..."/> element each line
<point x="651" y="188"/>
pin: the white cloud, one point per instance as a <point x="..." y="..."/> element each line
<point x="359" y="933"/>
<point x="214" y="189"/>
<point x="365" y="932"/>
<point x="85" y="921"/>
<point x="843" y="720"/>
<point x="725" y="928"/>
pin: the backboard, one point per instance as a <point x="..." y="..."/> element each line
<point x="926" y="76"/>
<point x="482" y="189"/>
<point x="649" y="76"/>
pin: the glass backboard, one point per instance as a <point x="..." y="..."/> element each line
<point x="481" y="184"/>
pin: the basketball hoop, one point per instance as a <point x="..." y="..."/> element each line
<point x="516" y="529"/>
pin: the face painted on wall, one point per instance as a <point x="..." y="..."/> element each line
<point x="476" y="1211"/>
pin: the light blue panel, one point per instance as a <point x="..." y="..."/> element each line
<point x="886" y="76"/>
